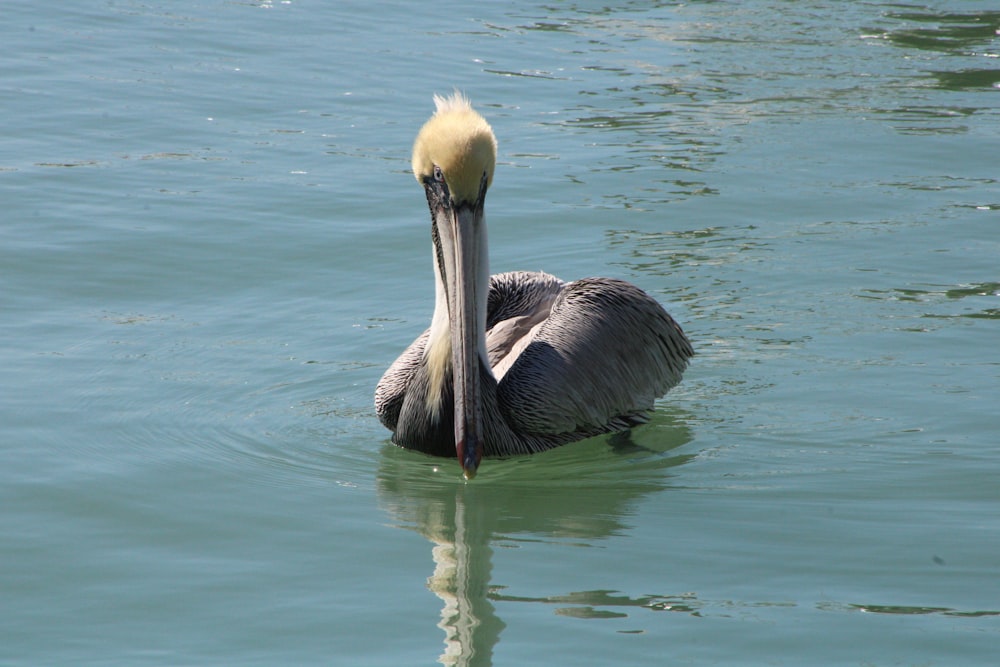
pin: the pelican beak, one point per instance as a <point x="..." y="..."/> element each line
<point x="460" y="239"/>
<point x="466" y="330"/>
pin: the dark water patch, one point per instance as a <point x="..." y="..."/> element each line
<point x="609" y="604"/>
<point x="599" y="604"/>
<point x="528" y="73"/>
<point x="964" y="79"/>
<point x="918" y="120"/>
<point x="950" y="32"/>
<point x="547" y="27"/>
<point x="904" y="610"/>
<point x="935" y="292"/>
<point x="980" y="301"/>
<point x="985" y="314"/>
<point x="69" y="165"/>
<point x="980" y="207"/>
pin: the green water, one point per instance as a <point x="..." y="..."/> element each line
<point x="211" y="249"/>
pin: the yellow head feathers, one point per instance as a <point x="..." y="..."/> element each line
<point x="461" y="143"/>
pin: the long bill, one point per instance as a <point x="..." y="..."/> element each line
<point x="464" y="262"/>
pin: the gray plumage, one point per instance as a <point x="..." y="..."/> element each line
<point x="575" y="360"/>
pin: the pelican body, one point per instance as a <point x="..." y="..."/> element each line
<point x="518" y="362"/>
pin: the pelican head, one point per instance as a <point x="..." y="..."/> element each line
<point x="453" y="158"/>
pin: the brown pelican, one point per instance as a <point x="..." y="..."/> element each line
<point x="518" y="362"/>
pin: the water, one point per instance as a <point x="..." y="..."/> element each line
<point x="212" y="248"/>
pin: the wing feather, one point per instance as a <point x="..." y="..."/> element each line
<point x="606" y="352"/>
<point x="391" y="389"/>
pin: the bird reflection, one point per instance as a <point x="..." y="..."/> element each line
<point x="583" y="496"/>
<point x="462" y="567"/>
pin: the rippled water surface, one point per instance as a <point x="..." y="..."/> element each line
<point x="211" y="249"/>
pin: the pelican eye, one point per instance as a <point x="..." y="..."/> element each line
<point x="438" y="174"/>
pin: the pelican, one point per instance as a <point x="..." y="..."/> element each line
<point x="519" y="362"/>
